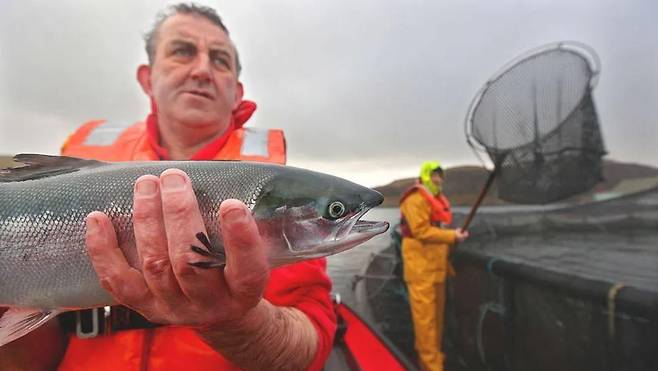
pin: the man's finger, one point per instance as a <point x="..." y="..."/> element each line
<point x="183" y="222"/>
<point x="125" y="283"/>
<point x="247" y="268"/>
<point x="151" y="241"/>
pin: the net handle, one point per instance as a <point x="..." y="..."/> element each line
<point x="482" y="194"/>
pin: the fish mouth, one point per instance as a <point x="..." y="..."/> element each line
<point x="354" y="231"/>
<point x="370" y="227"/>
<point x="312" y="236"/>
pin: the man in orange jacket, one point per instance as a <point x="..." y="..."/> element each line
<point x="245" y="316"/>
<point x="426" y="241"/>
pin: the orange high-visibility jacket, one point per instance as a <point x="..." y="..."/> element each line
<point x="305" y="285"/>
<point x="440" y="206"/>
<point x="101" y="140"/>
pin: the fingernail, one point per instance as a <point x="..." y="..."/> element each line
<point x="173" y="182"/>
<point x="234" y="214"/>
<point x="92" y="225"/>
<point x="146" y="188"/>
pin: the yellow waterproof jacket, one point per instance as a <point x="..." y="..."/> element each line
<point x="425" y="255"/>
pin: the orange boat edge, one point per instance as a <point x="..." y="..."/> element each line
<point x="358" y="346"/>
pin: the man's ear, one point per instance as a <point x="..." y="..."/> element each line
<point x="239" y="93"/>
<point x="144" y="78"/>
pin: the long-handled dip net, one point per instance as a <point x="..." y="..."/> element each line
<point x="537" y="122"/>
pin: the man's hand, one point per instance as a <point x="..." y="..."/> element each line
<point x="226" y="306"/>
<point x="165" y="288"/>
<point x="461" y="235"/>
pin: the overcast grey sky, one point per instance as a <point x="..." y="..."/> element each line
<point x="363" y="89"/>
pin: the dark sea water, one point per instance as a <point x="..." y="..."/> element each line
<point x="343" y="266"/>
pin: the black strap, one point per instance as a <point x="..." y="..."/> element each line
<point x="118" y="318"/>
<point x="339" y="342"/>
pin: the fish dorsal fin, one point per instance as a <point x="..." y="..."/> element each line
<point x="35" y="166"/>
<point x="17" y="322"/>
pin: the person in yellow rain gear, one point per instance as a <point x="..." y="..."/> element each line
<point x="426" y="241"/>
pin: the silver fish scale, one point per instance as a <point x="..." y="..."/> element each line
<point x="43" y="259"/>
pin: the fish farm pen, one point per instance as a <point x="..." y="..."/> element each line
<point x="544" y="288"/>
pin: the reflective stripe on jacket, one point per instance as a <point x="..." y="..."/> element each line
<point x="101" y="140"/>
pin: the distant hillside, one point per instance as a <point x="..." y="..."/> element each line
<point x="463" y="183"/>
<point x="5" y="161"/>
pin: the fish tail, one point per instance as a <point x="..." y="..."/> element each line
<point x="17" y="322"/>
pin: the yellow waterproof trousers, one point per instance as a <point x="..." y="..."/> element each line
<point x="425" y="271"/>
<point x="427" y="301"/>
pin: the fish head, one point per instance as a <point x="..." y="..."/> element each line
<point x="303" y="214"/>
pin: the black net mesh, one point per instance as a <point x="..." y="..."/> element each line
<point x="537" y="122"/>
<point x="631" y="214"/>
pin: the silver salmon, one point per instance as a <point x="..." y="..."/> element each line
<point x="44" y="267"/>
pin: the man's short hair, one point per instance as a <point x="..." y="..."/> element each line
<point x="150" y="38"/>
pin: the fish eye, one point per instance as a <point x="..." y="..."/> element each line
<point x="336" y="209"/>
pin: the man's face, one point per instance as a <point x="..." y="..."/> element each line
<point x="436" y="178"/>
<point x="193" y="78"/>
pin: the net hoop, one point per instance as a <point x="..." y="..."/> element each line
<point x="577" y="48"/>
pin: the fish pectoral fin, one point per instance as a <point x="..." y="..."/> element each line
<point x="17" y="322"/>
<point x="216" y="253"/>
<point x="213" y="261"/>
<point x="215" y="257"/>
<point x="36" y="166"/>
<point x="208" y="264"/>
